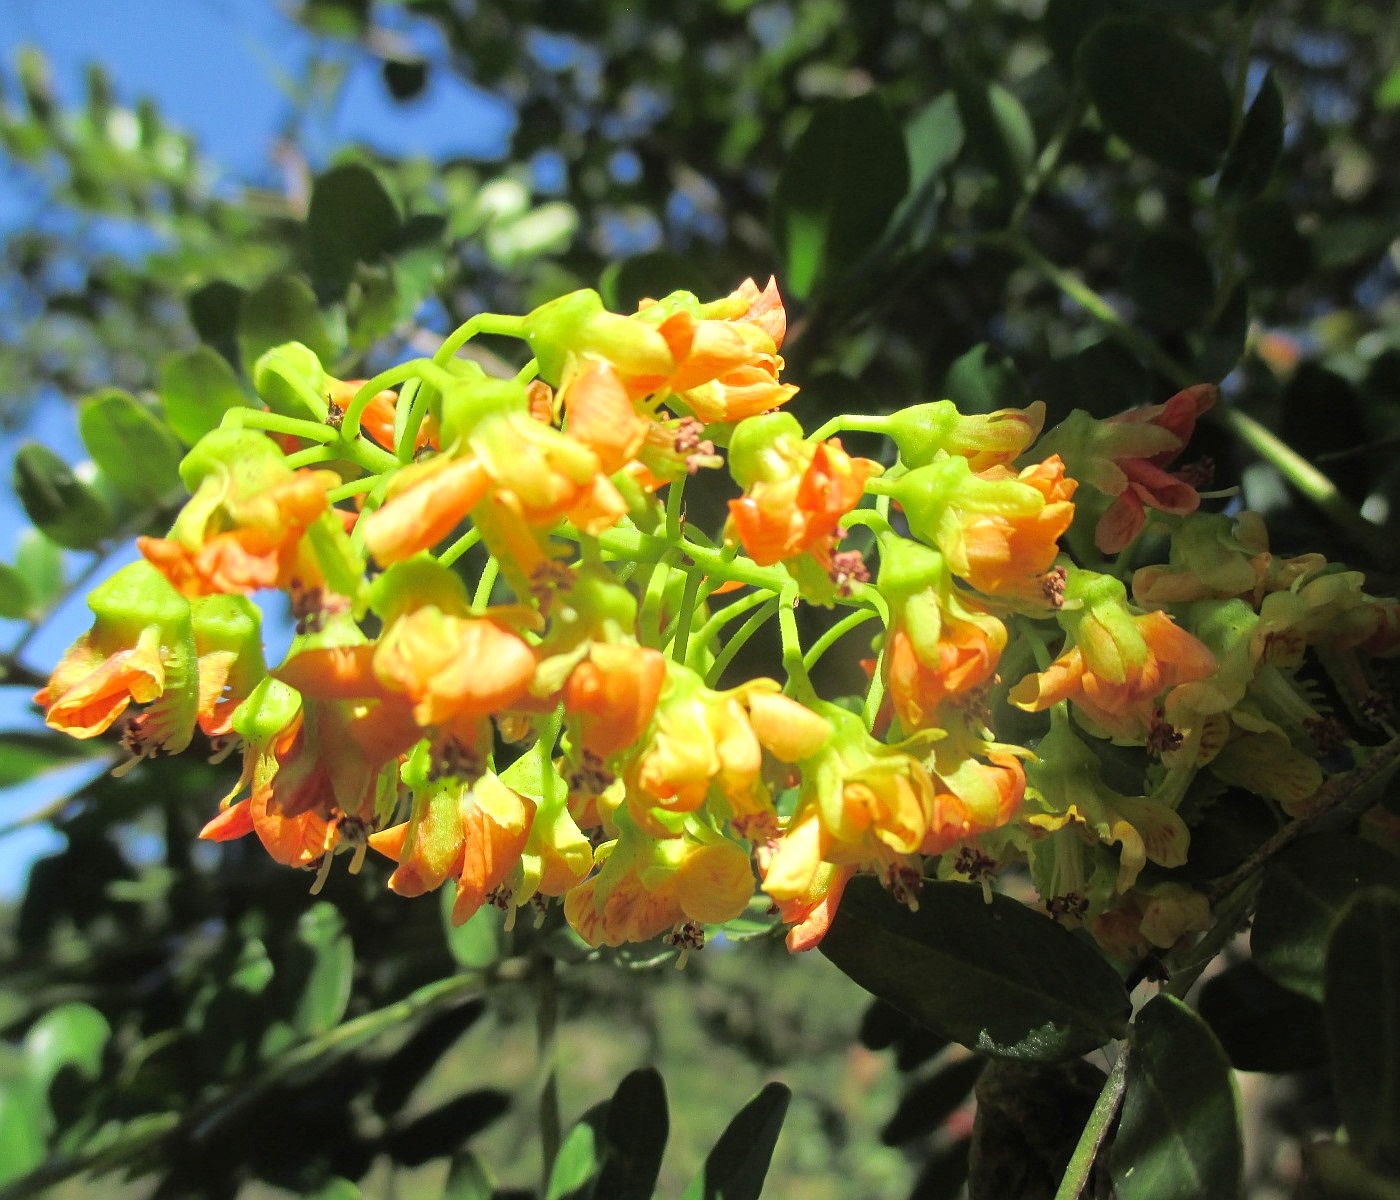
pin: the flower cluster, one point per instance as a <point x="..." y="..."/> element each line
<point x="510" y="641"/>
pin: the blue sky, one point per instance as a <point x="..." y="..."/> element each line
<point x="228" y="72"/>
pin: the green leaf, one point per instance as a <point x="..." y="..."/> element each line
<point x="213" y="311"/>
<point x="579" y="1159"/>
<point x="351" y="219"/>
<point x="1179" y="1135"/>
<point x="1262" y="1025"/>
<point x="1158" y="92"/>
<point x="63" y="508"/>
<point x="983" y="380"/>
<point x="546" y="229"/>
<point x="999" y="131"/>
<point x="135" y="451"/>
<point x="196" y="388"/>
<point x="24" y="755"/>
<point x="1303" y="894"/>
<point x="1277" y="254"/>
<point x="626" y="282"/>
<point x="1362" y="1012"/>
<point x="1011" y="983"/>
<point x="443" y="1130"/>
<point x="70" y="1036"/>
<point x="737" y="1166"/>
<point x="1170" y="280"/>
<point x="1256" y="151"/>
<point x="318" y="970"/>
<point x="933" y="137"/>
<point x="282" y="309"/>
<point x="634" y="1138"/>
<point x="839" y="187"/>
<point x="477" y="942"/>
<point x="1067" y="23"/>
<point x="23" y="1121"/>
<point x="16" y="600"/>
<point x="40" y="562"/>
<point x="1221" y="346"/>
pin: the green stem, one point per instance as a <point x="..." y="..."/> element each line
<point x="271" y="422"/>
<point x="835" y="634"/>
<point x="1086" y="1151"/>
<point x="481" y="323"/>
<point x="353" y="488"/>
<point x="799" y="682"/>
<point x="717" y="621"/>
<point x="546" y="1036"/>
<point x="417" y="368"/>
<point x="482" y="598"/>
<point x="460" y="547"/>
<point x="740" y="638"/>
<point x="679" y="631"/>
<point x="875" y="697"/>
<point x="408" y="416"/>
<point x="311" y="456"/>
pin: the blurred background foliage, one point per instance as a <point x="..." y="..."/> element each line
<point x="1088" y="202"/>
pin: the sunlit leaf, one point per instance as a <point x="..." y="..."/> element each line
<point x="196" y="388"/>
<point x="134" y="450"/>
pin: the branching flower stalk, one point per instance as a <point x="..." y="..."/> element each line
<point x="521" y="668"/>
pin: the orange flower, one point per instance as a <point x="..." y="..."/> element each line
<point x="611" y="696"/>
<point x="1126" y="458"/>
<point x="973" y="797"/>
<point x="646" y="886"/>
<point x="425" y="502"/>
<point x="377" y="417"/>
<point x="600" y="414"/>
<point x="474" y="832"/>
<point x="998" y="531"/>
<point x="1120" y="663"/>
<point x="140" y="650"/>
<point x="941" y="644"/>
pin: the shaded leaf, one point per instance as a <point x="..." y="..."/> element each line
<point x="933" y="138"/>
<point x="63" y="508"/>
<point x="1276" y="253"/>
<point x="406" y="1068"/>
<point x="213" y="311"/>
<point x="983" y="380"/>
<point x="579" y="1159"/>
<point x="40" y="562"/>
<point x="1301" y="897"/>
<point x="1323" y="412"/>
<point x="1161" y="94"/>
<point x="999" y="131"/>
<point x="1179" y="1133"/>
<point x="16" y="600"/>
<point x="468" y="1179"/>
<point x="1010" y="982"/>
<point x="444" y="1130"/>
<point x="351" y="219"/>
<point x="24" y="755"/>
<point x="1067" y="23"/>
<point x="1334" y="1171"/>
<point x="1362" y="1012"/>
<point x="1262" y="1025"/>
<point x="634" y="1138"/>
<point x="1252" y="159"/>
<point x="134" y="450"/>
<point x="1170" y="280"/>
<point x="930" y="1102"/>
<point x="840" y="185"/>
<point x="1219" y="348"/>
<point x="626" y="282"/>
<point x="738" y="1164"/>
<point x="196" y="388"/>
<point x="282" y="309"/>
